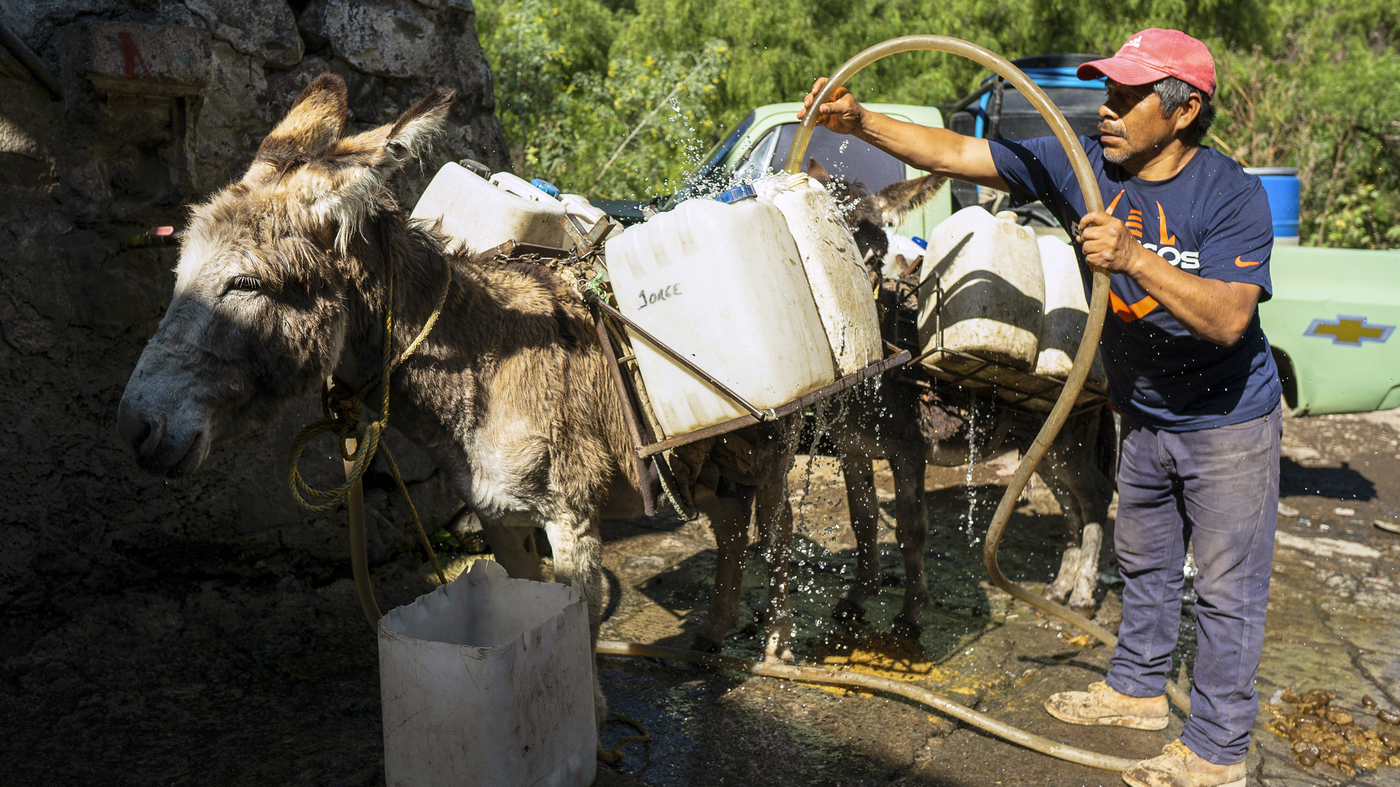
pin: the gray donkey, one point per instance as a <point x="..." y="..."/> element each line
<point x="283" y="282"/>
<point x="912" y="427"/>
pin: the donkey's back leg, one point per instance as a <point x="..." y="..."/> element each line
<point x="911" y="528"/>
<point x="729" y="518"/>
<point x="773" y="511"/>
<point x="1071" y="471"/>
<point x="864" y="513"/>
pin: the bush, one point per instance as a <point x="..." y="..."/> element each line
<point x="621" y="98"/>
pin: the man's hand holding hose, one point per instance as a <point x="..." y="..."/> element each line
<point x="933" y="150"/>
<point x="843" y="114"/>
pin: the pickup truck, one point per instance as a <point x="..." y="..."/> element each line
<point x="1330" y="321"/>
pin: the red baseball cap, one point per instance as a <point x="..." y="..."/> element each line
<point x="1157" y="54"/>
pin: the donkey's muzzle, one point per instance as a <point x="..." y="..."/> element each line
<point x="158" y="448"/>
<point x="143" y="431"/>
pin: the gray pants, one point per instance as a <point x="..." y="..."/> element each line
<point x="1216" y="489"/>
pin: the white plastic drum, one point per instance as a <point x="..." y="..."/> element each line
<point x="993" y="290"/>
<point x="477" y="215"/>
<point x="488" y="681"/>
<point x="724" y="285"/>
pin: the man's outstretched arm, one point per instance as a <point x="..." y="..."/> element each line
<point x="934" y="150"/>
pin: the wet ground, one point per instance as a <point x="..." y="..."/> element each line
<point x="226" y="681"/>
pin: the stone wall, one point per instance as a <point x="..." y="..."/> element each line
<point x="161" y="103"/>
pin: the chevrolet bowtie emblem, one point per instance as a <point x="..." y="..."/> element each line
<point x="1349" y="330"/>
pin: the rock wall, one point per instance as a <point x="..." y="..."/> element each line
<point x="161" y="103"/>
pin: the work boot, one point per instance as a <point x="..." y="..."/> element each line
<point x="1180" y="767"/>
<point x="1102" y="706"/>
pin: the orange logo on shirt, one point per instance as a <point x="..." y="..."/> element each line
<point x="1134" y="222"/>
<point x="1134" y="312"/>
<point x="1166" y="245"/>
<point x="1165" y="237"/>
<point x="1239" y="263"/>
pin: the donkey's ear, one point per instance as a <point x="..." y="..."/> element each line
<point x="818" y="172"/>
<point x="899" y="198"/>
<point x="343" y="181"/>
<point x="315" y="120"/>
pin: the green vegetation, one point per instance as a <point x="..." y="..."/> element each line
<point x="620" y="98"/>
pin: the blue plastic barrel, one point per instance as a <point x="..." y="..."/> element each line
<point x="1281" y="184"/>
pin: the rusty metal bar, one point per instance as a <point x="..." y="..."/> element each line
<point x="629" y="413"/>
<point x="683" y="361"/>
<point x="516" y="249"/>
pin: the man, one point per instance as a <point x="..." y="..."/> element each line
<point x="1186" y="236"/>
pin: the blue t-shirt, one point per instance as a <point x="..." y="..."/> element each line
<point x="1211" y="219"/>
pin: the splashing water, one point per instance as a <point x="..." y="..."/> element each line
<point x="694" y="154"/>
<point x="971" y="525"/>
<point x="825" y="413"/>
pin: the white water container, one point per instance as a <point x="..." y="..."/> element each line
<point x="488" y="681"/>
<point x="993" y="290"/>
<point x="1066" y="314"/>
<point x="900" y="246"/>
<point x="835" y="272"/>
<point x="724" y="286"/>
<point x="478" y="215"/>
<point x="521" y="187"/>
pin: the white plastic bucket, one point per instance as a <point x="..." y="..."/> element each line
<point x="840" y="285"/>
<point x="488" y="681"/>
<point x="725" y="286"/>
<point x="478" y="215"/>
<point x="1066" y="314"/>
<point x="993" y="290"/>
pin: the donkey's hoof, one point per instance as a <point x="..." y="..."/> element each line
<point x="849" y="614"/>
<point x="1055" y="594"/>
<point x="907" y="631"/>
<point x="781" y="656"/>
<point x="1087" y="609"/>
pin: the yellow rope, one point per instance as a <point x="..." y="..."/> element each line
<point x="615" y="755"/>
<point x="342" y="418"/>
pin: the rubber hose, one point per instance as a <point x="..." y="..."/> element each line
<point x="1098" y="299"/>
<point x="875" y="683"/>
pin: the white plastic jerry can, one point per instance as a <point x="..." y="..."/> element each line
<point x="478" y="215"/>
<point x="840" y="285"/>
<point x="724" y="285"/>
<point x="1066" y="314"/>
<point x="487" y="682"/>
<point x="992" y="290"/>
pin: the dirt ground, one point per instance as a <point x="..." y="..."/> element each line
<point x="219" y="680"/>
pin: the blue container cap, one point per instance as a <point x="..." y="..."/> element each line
<point x="736" y="194"/>
<point x="546" y="187"/>
<point x="923" y="244"/>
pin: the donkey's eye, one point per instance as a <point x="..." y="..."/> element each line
<point x="245" y="283"/>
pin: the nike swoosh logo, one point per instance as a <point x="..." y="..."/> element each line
<point x="1239" y="263"/>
